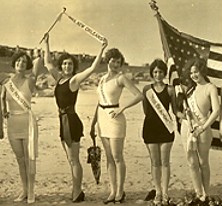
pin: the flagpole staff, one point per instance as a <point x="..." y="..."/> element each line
<point x="54" y="23"/>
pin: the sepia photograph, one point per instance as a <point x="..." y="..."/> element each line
<point x="110" y="102"/>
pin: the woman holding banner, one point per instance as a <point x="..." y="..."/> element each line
<point x="111" y="121"/>
<point x="21" y="124"/>
<point x="158" y="128"/>
<point x="203" y="102"/>
<point x="66" y="91"/>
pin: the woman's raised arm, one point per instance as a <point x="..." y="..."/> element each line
<point x="48" y="59"/>
<point x="80" y="77"/>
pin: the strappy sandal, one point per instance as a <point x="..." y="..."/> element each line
<point x="158" y="199"/>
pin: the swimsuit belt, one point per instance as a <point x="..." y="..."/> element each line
<point x="67" y="110"/>
<point x="109" y="106"/>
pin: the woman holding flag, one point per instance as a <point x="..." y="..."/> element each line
<point x="21" y="124"/>
<point x="158" y="128"/>
<point x="203" y="109"/>
<point x="66" y="92"/>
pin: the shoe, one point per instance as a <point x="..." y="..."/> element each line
<point x="105" y="202"/>
<point x="80" y="198"/>
<point x="21" y="198"/>
<point x="150" y="196"/>
<point x="165" y="199"/>
<point x="122" y="199"/>
<point x="31" y="200"/>
<point x="204" y="201"/>
<point x="158" y="199"/>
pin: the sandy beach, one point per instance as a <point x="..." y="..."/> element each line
<point x="53" y="180"/>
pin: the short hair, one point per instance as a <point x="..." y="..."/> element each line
<point x="115" y="54"/>
<point x="19" y="54"/>
<point x="65" y="56"/>
<point x="160" y="64"/>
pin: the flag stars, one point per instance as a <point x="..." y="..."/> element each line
<point x="184" y="42"/>
<point x="182" y="50"/>
<point x="178" y="40"/>
<point x="171" y="37"/>
<point x="188" y="52"/>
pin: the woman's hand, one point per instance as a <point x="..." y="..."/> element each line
<point x="5" y="114"/>
<point x="104" y="44"/>
<point x="181" y="115"/>
<point x="46" y="38"/>
<point x="115" y="113"/>
<point x="198" y="130"/>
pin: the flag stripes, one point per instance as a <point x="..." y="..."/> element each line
<point x="181" y="47"/>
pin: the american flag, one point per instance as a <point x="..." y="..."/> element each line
<point x="179" y="47"/>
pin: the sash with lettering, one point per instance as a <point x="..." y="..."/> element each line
<point x="33" y="130"/>
<point x="197" y="118"/>
<point x="160" y="110"/>
<point x="197" y="115"/>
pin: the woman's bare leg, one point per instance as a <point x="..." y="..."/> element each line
<point x="165" y="159"/>
<point x="111" y="168"/>
<point x="155" y="156"/>
<point x="117" y="145"/>
<point x="18" y="149"/>
<point x="72" y="153"/>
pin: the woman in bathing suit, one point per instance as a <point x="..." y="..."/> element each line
<point x="111" y="121"/>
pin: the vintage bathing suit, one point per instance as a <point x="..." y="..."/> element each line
<point x="71" y="127"/>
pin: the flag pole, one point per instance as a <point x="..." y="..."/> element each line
<point x="155" y="8"/>
<point x="54" y="23"/>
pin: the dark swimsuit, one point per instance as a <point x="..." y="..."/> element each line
<point x="154" y="130"/>
<point x="71" y="127"/>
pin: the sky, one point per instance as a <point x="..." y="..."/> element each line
<point x="129" y="25"/>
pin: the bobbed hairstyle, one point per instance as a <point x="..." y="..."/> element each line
<point x="115" y="54"/>
<point x="160" y="64"/>
<point x="19" y="54"/>
<point x="68" y="56"/>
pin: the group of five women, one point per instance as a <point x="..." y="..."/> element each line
<point x="200" y="110"/>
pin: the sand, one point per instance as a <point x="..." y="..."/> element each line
<point x="53" y="180"/>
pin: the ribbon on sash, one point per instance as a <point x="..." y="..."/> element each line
<point x="160" y="110"/>
<point x="90" y="31"/>
<point x="33" y="130"/>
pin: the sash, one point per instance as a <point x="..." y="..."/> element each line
<point x="198" y="116"/>
<point x="33" y="130"/>
<point x="90" y="31"/>
<point x="197" y="119"/>
<point x="160" y="110"/>
<point x="102" y="93"/>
